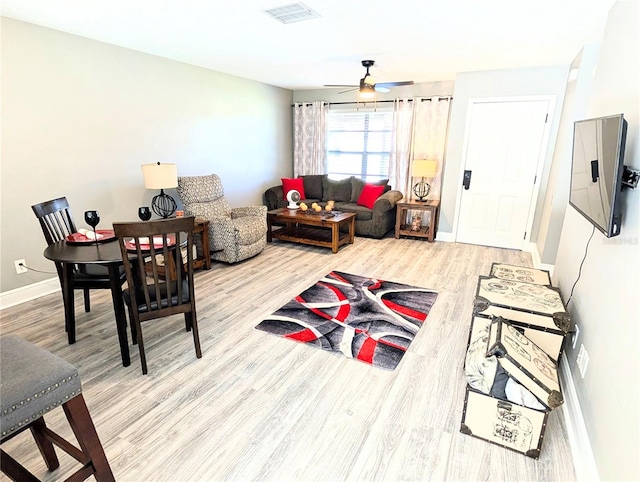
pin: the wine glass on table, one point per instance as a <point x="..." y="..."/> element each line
<point x="92" y="218"/>
<point x="144" y="213"/>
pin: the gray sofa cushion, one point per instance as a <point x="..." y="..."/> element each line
<point x="313" y="185"/>
<point x="339" y="191"/>
<point x="362" y="213"/>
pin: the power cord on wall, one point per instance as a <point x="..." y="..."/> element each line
<point x="586" y="250"/>
<point x="36" y="270"/>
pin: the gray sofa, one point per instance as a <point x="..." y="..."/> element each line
<point x="373" y="223"/>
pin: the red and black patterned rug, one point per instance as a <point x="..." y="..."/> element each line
<point x="369" y="319"/>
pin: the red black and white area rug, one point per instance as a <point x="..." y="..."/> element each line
<point x="369" y="319"/>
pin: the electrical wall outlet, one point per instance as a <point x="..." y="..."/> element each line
<point x="21" y="266"/>
<point x="582" y="360"/>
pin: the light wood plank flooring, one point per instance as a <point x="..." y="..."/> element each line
<point x="257" y="407"/>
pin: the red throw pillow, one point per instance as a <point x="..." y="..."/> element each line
<point x="369" y="195"/>
<point x="291" y="184"/>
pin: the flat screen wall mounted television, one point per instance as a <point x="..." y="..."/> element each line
<point x="597" y="166"/>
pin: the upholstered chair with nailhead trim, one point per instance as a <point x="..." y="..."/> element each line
<point x="33" y="382"/>
<point x="235" y="234"/>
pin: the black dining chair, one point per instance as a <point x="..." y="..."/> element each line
<point x="57" y="223"/>
<point x="152" y="292"/>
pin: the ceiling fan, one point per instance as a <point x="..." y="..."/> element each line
<point x="368" y="86"/>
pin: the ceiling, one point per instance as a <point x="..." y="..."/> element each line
<point x="419" y="40"/>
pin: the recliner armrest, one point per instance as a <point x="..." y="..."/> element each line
<point x="221" y="223"/>
<point x="249" y="211"/>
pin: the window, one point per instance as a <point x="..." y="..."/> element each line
<point x="358" y="144"/>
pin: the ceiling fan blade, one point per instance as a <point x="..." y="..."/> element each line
<point x="382" y="89"/>
<point x="340" y="85"/>
<point x="350" y="90"/>
<point x="394" y="84"/>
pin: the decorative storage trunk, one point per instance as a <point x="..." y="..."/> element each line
<point x="504" y="423"/>
<point x="520" y="273"/>
<point x="525" y="362"/>
<point x="536" y="310"/>
<point x="478" y="324"/>
<point x="500" y="421"/>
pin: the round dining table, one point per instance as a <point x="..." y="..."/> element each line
<point x="105" y="253"/>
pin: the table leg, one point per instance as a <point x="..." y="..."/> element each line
<point x="399" y="215"/>
<point x="269" y="237"/>
<point x="206" y="248"/>
<point x="352" y="230"/>
<point x="432" y="226"/>
<point x="335" y="236"/>
<point x="118" y="309"/>
<point x="69" y="302"/>
<point x="436" y="215"/>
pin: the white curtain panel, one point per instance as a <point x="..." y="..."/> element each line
<point x="399" y="175"/>
<point x="309" y="137"/>
<point x="431" y="120"/>
<point x="420" y="132"/>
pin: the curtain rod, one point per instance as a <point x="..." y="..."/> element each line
<point x="423" y="99"/>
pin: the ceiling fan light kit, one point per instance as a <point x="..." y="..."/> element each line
<point x="366" y="92"/>
<point x="368" y="86"/>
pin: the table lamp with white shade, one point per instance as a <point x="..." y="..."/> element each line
<point x="161" y="176"/>
<point x="423" y="168"/>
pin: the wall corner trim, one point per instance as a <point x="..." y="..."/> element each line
<point x="532" y="248"/>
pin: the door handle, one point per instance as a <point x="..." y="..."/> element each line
<point x="594" y="171"/>
<point x="466" y="180"/>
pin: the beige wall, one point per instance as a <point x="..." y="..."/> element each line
<point x="556" y="197"/>
<point x="605" y="300"/>
<point x="494" y="83"/>
<point x="79" y="117"/>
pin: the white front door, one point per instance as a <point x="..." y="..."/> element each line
<point x="505" y="142"/>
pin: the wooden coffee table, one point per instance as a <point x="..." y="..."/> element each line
<point x="322" y="229"/>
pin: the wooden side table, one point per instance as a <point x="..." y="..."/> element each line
<point x="426" y="231"/>
<point x="202" y="229"/>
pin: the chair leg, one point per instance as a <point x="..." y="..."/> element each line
<point x="87" y="301"/>
<point x="196" y="335"/>
<point x="44" y="444"/>
<point x="188" y="323"/>
<point x="143" y="358"/>
<point x="80" y="420"/>
<point x="14" y="470"/>
<point x="132" y="325"/>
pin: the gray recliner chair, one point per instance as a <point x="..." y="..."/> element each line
<point x="235" y="234"/>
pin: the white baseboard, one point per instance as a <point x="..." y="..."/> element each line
<point x="29" y="292"/>
<point x="583" y="459"/>
<point x="446" y="237"/>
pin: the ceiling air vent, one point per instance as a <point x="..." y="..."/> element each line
<point x="292" y="13"/>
